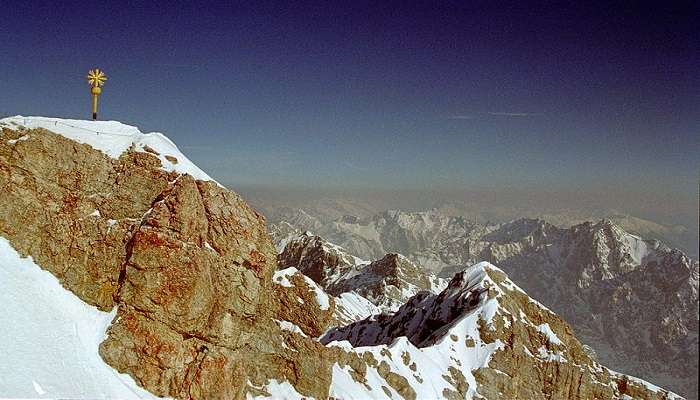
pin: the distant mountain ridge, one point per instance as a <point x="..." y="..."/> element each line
<point x="363" y="233"/>
<point x="634" y="301"/>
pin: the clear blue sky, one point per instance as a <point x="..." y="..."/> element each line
<point x="380" y="94"/>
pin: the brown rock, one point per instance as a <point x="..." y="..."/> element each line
<point x="294" y="305"/>
<point x="188" y="263"/>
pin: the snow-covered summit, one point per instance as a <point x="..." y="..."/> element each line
<point x="112" y="138"/>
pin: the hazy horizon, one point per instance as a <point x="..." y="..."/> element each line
<point x="559" y="107"/>
<point x="488" y="205"/>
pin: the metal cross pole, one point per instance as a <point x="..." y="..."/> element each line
<point x="96" y="78"/>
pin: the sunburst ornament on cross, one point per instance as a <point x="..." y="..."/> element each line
<point x="96" y="78"/>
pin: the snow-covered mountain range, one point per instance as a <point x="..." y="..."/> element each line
<point x="154" y="280"/>
<point x="437" y="236"/>
<point x="365" y="210"/>
<point x="634" y="301"/>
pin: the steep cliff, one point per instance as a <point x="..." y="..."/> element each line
<point x="187" y="263"/>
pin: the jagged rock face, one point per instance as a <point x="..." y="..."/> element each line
<point x="387" y="282"/>
<point x="390" y="281"/>
<point x="514" y="346"/>
<point x="73" y="208"/>
<point x="318" y="259"/>
<point x="595" y="275"/>
<point x="188" y="264"/>
<point x="295" y="292"/>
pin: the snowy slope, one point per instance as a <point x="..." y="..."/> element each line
<point x="351" y="307"/>
<point x="442" y="344"/>
<point x="423" y="364"/>
<point x="112" y="138"/>
<point x="50" y="338"/>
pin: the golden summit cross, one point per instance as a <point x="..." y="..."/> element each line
<point x="96" y="78"/>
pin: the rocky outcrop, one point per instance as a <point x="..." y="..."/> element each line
<point x="188" y="264"/>
<point x="387" y="282"/>
<point x="295" y="292"/>
<point x="390" y="281"/>
<point x="322" y="261"/>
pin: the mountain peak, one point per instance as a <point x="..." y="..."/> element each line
<point x="186" y="265"/>
<point x="112" y="138"/>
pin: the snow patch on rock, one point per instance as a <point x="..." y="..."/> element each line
<point x="112" y="138"/>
